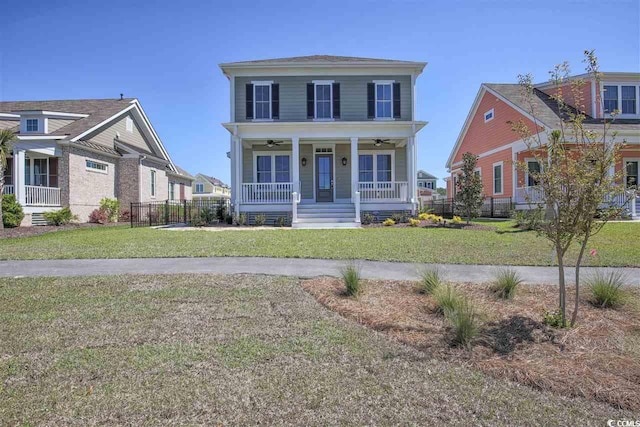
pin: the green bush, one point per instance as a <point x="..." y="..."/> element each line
<point x="606" y="288"/>
<point x="59" y="217"/>
<point x="506" y="282"/>
<point x="463" y="318"/>
<point x="429" y="280"/>
<point x="367" y="219"/>
<point x="281" y="221"/>
<point x="111" y="207"/>
<point x="447" y="298"/>
<point x="260" y="219"/>
<point x="351" y="276"/>
<point x="241" y="219"/>
<point x="400" y="218"/>
<point x="552" y="318"/>
<point x="12" y="213"/>
<point x="221" y="212"/>
<point x="208" y="215"/>
<point x="528" y="219"/>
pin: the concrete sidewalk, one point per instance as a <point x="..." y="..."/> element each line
<point x="298" y="267"/>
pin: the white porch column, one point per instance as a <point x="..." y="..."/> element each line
<point x="354" y="168"/>
<point x="514" y="174"/>
<point x="295" y="162"/>
<point x="18" y="176"/>
<point x="411" y="174"/>
<point x="238" y="170"/>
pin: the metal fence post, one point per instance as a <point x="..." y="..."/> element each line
<point x="184" y="211"/>
<point x="491" y="208"/>
<point x="131" y="214"/>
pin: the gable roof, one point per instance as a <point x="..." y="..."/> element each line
<point x="427" y="175"/>
<point x="212" y="180"/>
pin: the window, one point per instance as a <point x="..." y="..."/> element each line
<point x="273" y="168"/>
<point x="632" y="173"/>
<point x="533" y="167"/>
<point x="32" y="125"/>
<point x="263" y="168"/>
<point x="262" y="97"/>
<point x="375" y="167"/>
<point x="497" y="178"/>
<point x="172" y="191"/>
<point x="430" y="185"/>
<point x="610" y="99"/>
<point x="199" y="187"/>
<point x="488" y="115"/>
<point x="40" y="172"/>
<point x="323" y="100"/>
<point x="384" y="100"/>
<point x="153" y="183"/>
<point x="628" y="100"/>
<point x="96" y="166"/>
<point x="420" y="184"/>
<point x="129" y="124"/>
<point x="282" y="168"/>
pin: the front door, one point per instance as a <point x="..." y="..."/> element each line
<point x="324" y="178"/>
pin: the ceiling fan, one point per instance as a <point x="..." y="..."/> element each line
<point x="379" y="142"/>
<point x="271" y="143"/>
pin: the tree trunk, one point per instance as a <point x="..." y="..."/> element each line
<point x="574" y="316"/>
<point x="562" y="288"/>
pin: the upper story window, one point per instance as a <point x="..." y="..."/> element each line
<point x="199" y="187"/>
<point x="629" y="99"/>
<point x="622" y="97"/>
<point x="488" y="116"/>
<point x="430" y="185"/>
<point x="129" y="124"/>
<point x="263" y="101"/>
<point x="384" y="100"/>
<point x="610" y="98"/>
<point x="323" y="100"/>
<point x="32" y="125"/>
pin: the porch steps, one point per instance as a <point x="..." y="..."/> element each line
<point x="38" y="219"/>
<point x="326" y="215"/>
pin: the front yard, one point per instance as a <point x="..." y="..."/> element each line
<point x="618" y="244"/>
<point x="233" y="350"/>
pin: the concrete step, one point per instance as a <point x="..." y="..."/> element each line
<point x="328" y="206"/>
<point x="325" y="219"/>
<point x="325" y="225"/>
<point x="327" y="215"/>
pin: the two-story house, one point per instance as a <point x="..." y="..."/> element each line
<point x="487" y="132"/>
<point x="323" y="139"/>
<point x="426" y="181"/>
<point x="73" y="153"/>
<point x="209" y="188"/>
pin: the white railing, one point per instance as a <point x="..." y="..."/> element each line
<point x="356" y="202"/>
<point x="41" y="196"/>
<point x="7" y="189"/>
<point x="384" y="191"/>
<point x="266" y="193"/>
<point x="529" y="195"/>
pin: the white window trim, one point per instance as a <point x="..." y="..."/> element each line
<point x="526" y="171"/>
<point x="171" y="186"/>
<point x="196" y="188"/>
<point x="479" y="170"/>
<point x="375" y="163"/>
<point x="129" y="124"/>
<point x="493" y="184"/>
<point x="375" y="98"/>
<point x="153" y="183"/>
<point x="493" y="115"/>
<point x="26" y="125"/>
<point x="263" y="83"/>
<point x="273" y="155"/>
<point x="317" y="83"/>
<point x="619" y="85"/>
<point x="90" y="169"/>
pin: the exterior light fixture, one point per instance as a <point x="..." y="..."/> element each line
<point x="344" y="161"/>
<point x="304" y="161"/>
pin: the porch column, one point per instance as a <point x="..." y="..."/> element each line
<point x="238" y="170"/>
<point x="514" y="174"/>
<point x="18" y="176"/>
<point x="295" y="162"/>
<point x="354" y="168"/>
<point x="411" y="175"/>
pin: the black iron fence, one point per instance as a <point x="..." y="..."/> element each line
<point x="190" y="212"/>
<point x="493" y="207"/>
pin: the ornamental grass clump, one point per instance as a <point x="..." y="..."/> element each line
<point x="447" y="297"/>
<point x="606" y="289"/>
<point x="351" y="276"/>
<point x="429" y="280"/>
<point x="506" y="282"/>
<point x="463" y="318"/>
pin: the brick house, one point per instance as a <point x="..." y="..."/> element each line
<point x="73" y="153"/>
<point x="487" y="132"/>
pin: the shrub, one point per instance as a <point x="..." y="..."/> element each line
<point x="463" y="318"/>
<point x="12" y="213"/>
<point x="388" y="222"/>
<point x="111" y="207"/>
<point x="221" y="212"/>
<point x="367" y="219"/>
<point x="241" y="219"/>
<point x="125" y="215"/>
<point x="446" y="297"/>
<point x="281" y="221"/>
<point x="528" y="219"/>
<point x="414" y="222"/>
<point x="260" y="219"/>
<point x="423" y="216"/>
<point x="208" y="214"/>
<point x="229" y="219"/>
<point x="400" y="218"/>
<point x="429" y="280"/>
<point x="99" y="216"/>
<point x="351" y="276"/>
<point x="552" y="318"/>
<point x="456" y="220"/>
<point x="606" y="288"/>
<point x="59" y="217"/>
<point x="506" y="282"/>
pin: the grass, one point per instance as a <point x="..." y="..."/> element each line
<point x="351" y="277"/>
<point x="606" y="288"/>
<point x="504" y="245"/>
<point x="506" y="282"/>
<point x="463" y="318"/>
<point x="429" y="280"/>
<point x="232" y="350"/>
<point x="446" y="297"/>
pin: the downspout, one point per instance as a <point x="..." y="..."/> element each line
<point x="142" y="158"/>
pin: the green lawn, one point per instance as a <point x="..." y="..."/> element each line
<point x="618" y="244"/>
<point x="232" y="350"/>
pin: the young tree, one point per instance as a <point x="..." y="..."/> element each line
<point x="6" y="138"/>
<point x="441" y="191"/>
<point x="575" y="183"/>
<point x="469" y="198"/>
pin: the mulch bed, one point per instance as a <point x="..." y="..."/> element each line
<point x="10" y="233"/>
<point x="430" y="224"/>
<point x="598" y="359"/>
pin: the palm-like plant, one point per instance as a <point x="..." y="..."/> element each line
<point x="6" y="138"/>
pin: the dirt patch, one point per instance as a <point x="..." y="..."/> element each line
<point x="10" y="233"/>
<point x="430" y="224"/>
<point x="598" y="359"/>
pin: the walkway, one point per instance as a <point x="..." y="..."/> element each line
<point x="298" y="267"/>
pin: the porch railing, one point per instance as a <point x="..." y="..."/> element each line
<point x="384" y="191"/>
<point x="265" y="193"/>
<point x="41" y="196"/>
<point x="7" y="189"/>
<point x="529" y="195"/>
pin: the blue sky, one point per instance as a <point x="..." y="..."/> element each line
<point x="166" y="55"/>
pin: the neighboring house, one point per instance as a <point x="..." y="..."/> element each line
<point x="210" y="188"/>
<point x="427" y="186"/>
<point x="73" y="153"/>
<point x="323" y="139"/>
<point x="487" y="132"/>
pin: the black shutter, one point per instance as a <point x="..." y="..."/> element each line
<point x="371" y="100"/>
<point x="310" y="99"/>
<point x="249" y="99"/>
<point x="396" y="100"/>
<point x="275" y="101"/>
<point x="336" y="100"/>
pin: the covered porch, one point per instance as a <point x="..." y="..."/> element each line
<point x="32" y="175"/>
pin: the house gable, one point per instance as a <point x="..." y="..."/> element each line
<point x="130" y="135"/>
